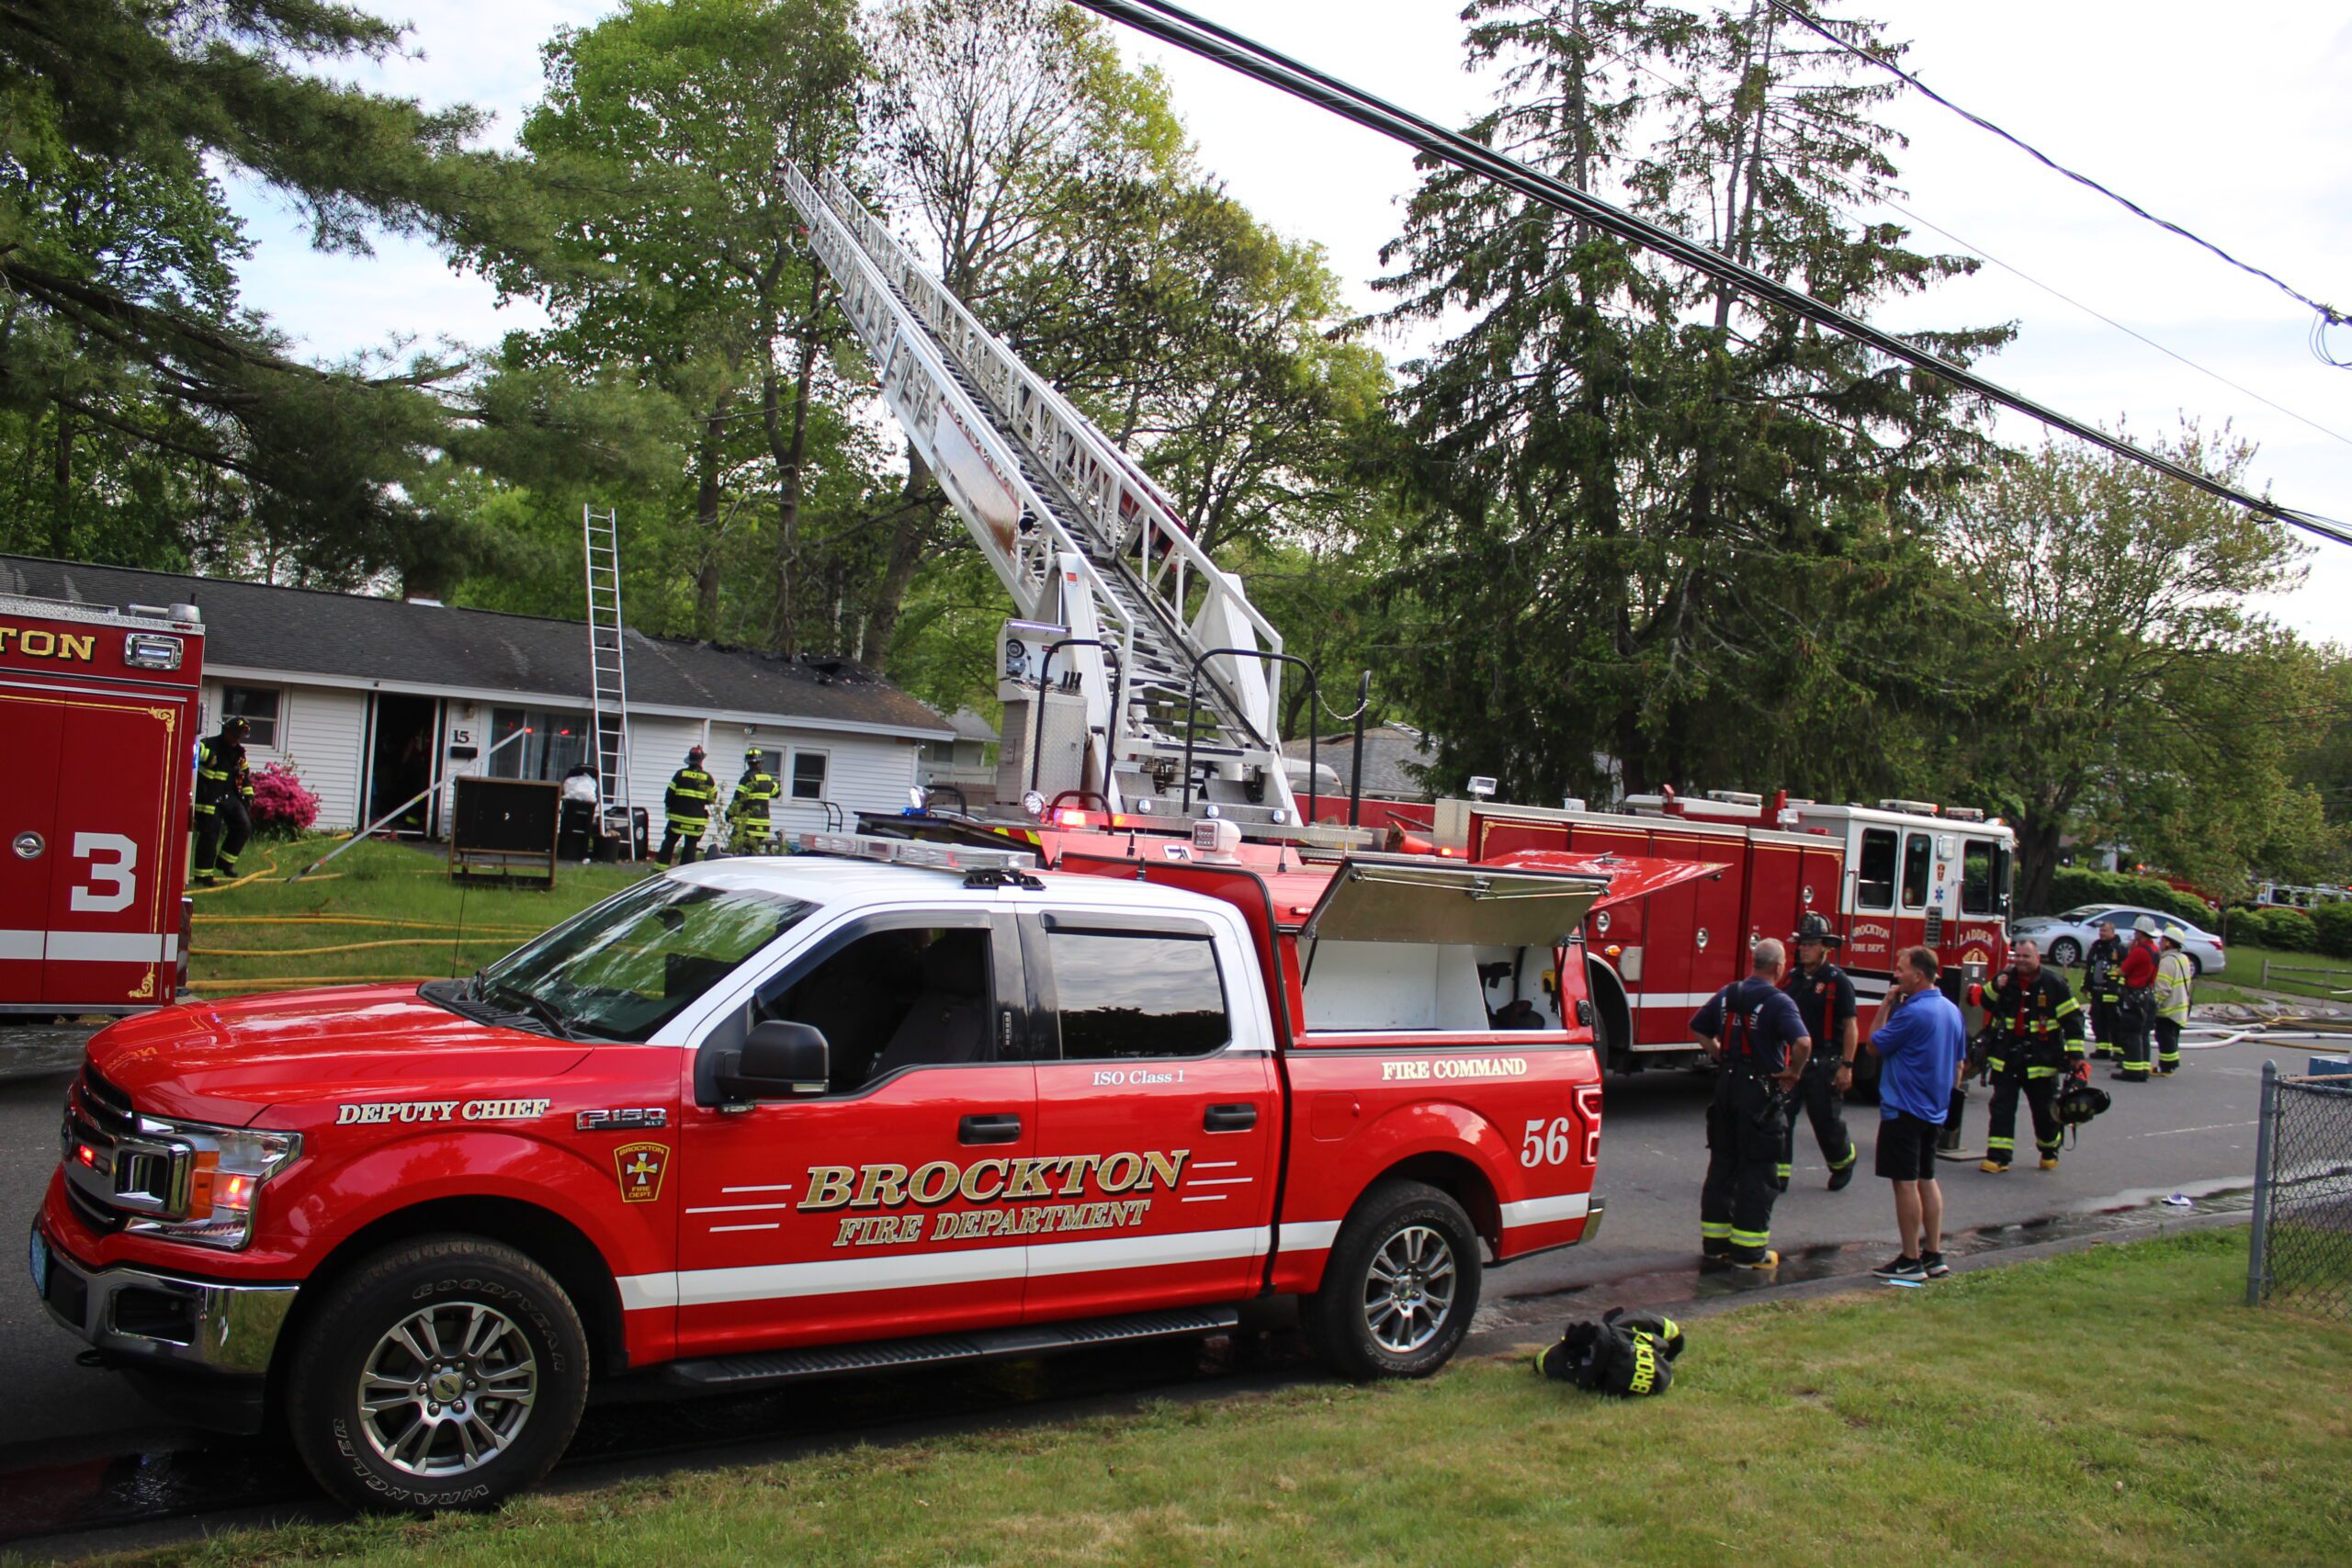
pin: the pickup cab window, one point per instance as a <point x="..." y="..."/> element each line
<point x="903" y="997"/>
<point x="1123" y="996"/>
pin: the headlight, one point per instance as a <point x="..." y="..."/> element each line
<point x="210" y="1179"/>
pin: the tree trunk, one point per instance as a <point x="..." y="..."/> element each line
<point x="916" y="534"/>
<point x="61" y="532"/>
<point x="707" y="493"/>
<point x="2036" y="861"/>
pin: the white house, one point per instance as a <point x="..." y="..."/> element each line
<point x="370" y="699"/>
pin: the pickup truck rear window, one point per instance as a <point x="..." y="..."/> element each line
<point x="1125" y="996"/>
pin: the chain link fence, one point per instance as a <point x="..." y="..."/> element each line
<point x="2302" y="1254"/>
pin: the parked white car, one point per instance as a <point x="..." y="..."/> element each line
<point x="2064" y="939"/>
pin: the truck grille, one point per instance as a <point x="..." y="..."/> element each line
<point x="112" y="1172"/>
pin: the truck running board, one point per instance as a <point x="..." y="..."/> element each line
<point x="711" y="1374"/>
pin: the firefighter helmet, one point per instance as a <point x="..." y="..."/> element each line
<point x="695" y="754"/>
<point x="2146" y="926"/>
<point x="2078" y="1101"/>
<point x="1816" y="927"/>
<point x="754" y="756"/>
<point x="235" y="728"/>
<point x="2176" y="936"/>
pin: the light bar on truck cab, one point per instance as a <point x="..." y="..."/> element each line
<point x="910" y="852"/>
<point x="1964" y="813"/>
<point x="1911" y="807"/>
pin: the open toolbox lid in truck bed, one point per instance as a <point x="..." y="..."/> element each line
<point x="1536" y="899"/>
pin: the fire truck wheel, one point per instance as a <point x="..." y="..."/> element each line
<point x="445" y="1372"/>
<point x="1400" y="1287"/>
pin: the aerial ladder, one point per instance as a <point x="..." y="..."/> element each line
<point x="1173" y="678"/>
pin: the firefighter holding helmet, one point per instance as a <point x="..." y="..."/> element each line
<point x="2037" y="1027"/>
<point x="748" y="829"/>
<point x="1825" y="999"/>
<point x="686" y="805"/>
<point x="224" y="783"/>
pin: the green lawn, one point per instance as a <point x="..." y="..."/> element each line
<point x="2245" y="974"/>
<point x="380" y="910"/>
<point x="2115" y="1406"/>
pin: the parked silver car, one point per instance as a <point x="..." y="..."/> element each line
<point x="2064" y="939"/>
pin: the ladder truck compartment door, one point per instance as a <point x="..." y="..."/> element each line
<point x="28" y="816"/>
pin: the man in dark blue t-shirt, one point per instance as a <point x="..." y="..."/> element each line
<point x="1919" y="1039"/>
<point x="1755" y="1035"/>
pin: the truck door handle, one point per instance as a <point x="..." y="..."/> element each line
<point x="1229" y="1118"/>
<point x="1001" y="1129"/>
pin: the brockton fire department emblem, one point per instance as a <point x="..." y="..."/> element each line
<point x="641" y="1167"/>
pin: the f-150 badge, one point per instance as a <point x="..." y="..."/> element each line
<point x="641" y="1167"/>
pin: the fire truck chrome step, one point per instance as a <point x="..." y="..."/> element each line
<point x="790" y="1366"/>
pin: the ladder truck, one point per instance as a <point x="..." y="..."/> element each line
<point x="1158" y="682"/>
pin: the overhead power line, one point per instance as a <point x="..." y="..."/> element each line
<point x="2329" y="315"/>
<point x="1174" y="24"/>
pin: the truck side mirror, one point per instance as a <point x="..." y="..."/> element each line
<point x="779" y="1060"/>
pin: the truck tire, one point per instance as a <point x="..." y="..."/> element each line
<point x="443" y="1372"/>
<point x="1399" y="1288"/>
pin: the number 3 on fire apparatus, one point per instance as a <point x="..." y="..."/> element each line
<point x="1545" y="1145"/>
<point x="116" y="873"/>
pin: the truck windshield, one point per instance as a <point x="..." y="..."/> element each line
<point x="625" y="968"/>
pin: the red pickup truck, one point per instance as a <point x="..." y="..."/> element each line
<point x="886" y="1104"/>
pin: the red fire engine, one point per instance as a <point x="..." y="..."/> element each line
<point x="1898" y="874"/>
<point x="101" y="709"/>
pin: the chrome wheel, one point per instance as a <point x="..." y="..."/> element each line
<point x="1409" y="1289"/>
<point x="448" y="1390"/>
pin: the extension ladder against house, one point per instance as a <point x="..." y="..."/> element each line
<point x="607" y="664"/>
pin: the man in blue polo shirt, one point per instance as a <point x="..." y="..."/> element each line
<point x="1919" y="1039"/>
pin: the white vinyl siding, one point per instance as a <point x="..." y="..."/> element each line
<point x="322" y="731"/>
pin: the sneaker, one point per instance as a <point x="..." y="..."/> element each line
<point x="1770" y="1260"/>
<point x="1994" y="1167"/>
<point x="1900" y="1268"/>
<point x="1934" y="1265"/>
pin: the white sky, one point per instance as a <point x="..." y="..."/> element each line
<point x="2232" y="124"/>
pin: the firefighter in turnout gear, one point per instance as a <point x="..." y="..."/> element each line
<point x="2037" y="1027"/>
<point x="2138" y="1007"/>
<point x="748" y="829"/>
<point x="224" y="783"/>
<point x="1754" y="1033"/>
<point x="1825" y="999"/>
<point x="2103" y="985"/>
<point x="2175" y="975"/>
<point x="686" y="803"/>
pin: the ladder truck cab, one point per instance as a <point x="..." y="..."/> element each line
<point x="103" y="710"/>
<point x="1897" y="874"/>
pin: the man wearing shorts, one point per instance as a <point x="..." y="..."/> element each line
<point x="1919" y="1039"/>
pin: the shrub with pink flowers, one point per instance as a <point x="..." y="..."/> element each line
<point x="282" y="802"/>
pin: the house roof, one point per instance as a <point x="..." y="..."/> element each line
<point x="969" y="726"/>
<point x="398" y="643"/>
<point x="1389" y="750"/>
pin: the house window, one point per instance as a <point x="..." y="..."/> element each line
<point x="808" y="775"/>
<point x="557" y="743"/>
<point x="257" y="705"/>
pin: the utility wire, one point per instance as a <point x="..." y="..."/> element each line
<point x="2318" y="347"/>
<point x="1174" y="24"/>
<point x="2329" y="315"/>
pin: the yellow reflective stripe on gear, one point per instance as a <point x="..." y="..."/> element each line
<point x="2063" y="1009"/>
<point x="1714" y="1230"/>
<point x="1644" y="1364"/>
<point x="1995" y="1063"/>
<point x="1750" y="1238"/>
<point x="2000" y="1143"/>
<point x="2041" y="1072"/>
